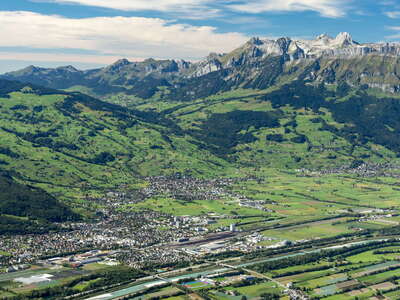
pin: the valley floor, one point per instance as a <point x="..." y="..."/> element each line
<point x="228" y="238"/>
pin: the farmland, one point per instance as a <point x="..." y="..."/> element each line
<point x="331" y="275"/>
<point x="346" y="278"/>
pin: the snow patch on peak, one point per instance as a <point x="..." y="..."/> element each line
<point x="345" y="39"/>
<point x="324" y="39"/>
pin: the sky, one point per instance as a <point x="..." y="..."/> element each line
<point x="93" y="33"/>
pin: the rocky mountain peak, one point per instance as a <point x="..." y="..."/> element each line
<point x="121" y="62"/>
<point x="213" y="56"/>
<point x="31" y="69"/>
<point x="324" y="38"/>
<point x="343" y="46"/>
<point x="256" y="41"/>
<point x="284" y="43"/>
<point x="345" y="39"/>
<point x="118" y="65"/>
<point x="68" y="68"/>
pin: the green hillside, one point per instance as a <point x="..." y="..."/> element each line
<point x="25" y="209"/>
<point x="72" y="145"/>
<point x="70" y="140"/>
<point x="296" y="126"/>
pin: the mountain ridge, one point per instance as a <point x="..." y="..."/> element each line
<point x="143" y="79"/>
<point x="239" y="68"/>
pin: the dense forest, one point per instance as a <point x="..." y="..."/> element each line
<point x="25" y="209"/>
<point x="366" y="117"/>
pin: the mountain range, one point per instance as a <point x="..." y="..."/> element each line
<point x="258" y="64"/>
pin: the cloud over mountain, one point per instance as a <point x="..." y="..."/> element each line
<point x="135" y="37"/>
<point x="133" y="5"/>
<point x="327" y="8"/>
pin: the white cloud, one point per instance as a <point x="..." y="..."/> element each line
<point x="387" y="3"/>
<point x="113" y="36"/>
<point x="327" y="8"/>
<point x="393" y="14"/>
<point x="192" y="9"/>
<point x="70" y="58"/>
<point x="134" y="5"/>
<point x="396" y="35"/>
<point x="198" y="9"/>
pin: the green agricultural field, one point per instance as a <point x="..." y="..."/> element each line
<point x="316" y="230"/>
<point x="369" y="268"/>
<point x="393" y="295"/>
<point x="84" y="285"/>
<point x="251" y="291"/>
<point x="199" y="207"/>
<point x="350" y="296"/>
<point x="4" y="294"/>
<point x="325" y="281"/>
<point x="178" y="298"/>
<point x="302" y="278"/>
<point x="164" y="293"/>
<point x="328" y="193"/>
<point x="314" y="202"/>
<point x="380" y="277"/>
<point x="347" y="280"/>
<point x="301" y="269"/>
<point x="257" y="289"/>
<point x="369" y="256"/>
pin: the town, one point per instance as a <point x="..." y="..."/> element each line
<point x="169" y="248"/>
<point x="140" y="236"/>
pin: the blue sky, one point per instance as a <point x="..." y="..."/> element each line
<point x="92" y="33"/>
